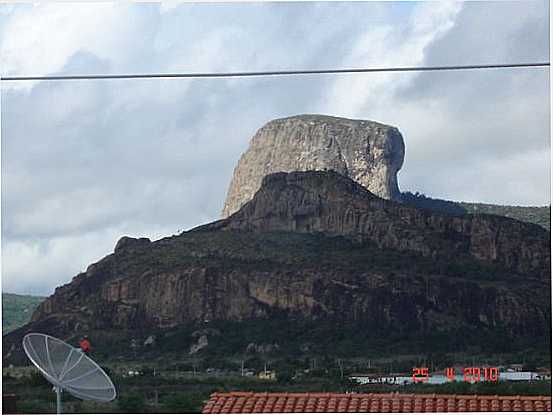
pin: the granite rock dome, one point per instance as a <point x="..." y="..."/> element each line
<point x="368" y="152"/>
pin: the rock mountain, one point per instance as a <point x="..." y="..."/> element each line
<point x="368" y="152"/>
<point x="329" y="203"/>
<point x="328" y="243"/>
<point x="317" y="245"/>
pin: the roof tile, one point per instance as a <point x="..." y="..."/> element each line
<point x="250" y="402"/>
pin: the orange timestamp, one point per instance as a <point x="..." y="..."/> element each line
<point x="470" y="374"/>
<point x="477" y="374"/>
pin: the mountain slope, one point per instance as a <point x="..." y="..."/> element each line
<point x="539" y="215"/>
<point x="336" y="205"/>
<point x="17" y="310"/>
<point x="317" y="246"/>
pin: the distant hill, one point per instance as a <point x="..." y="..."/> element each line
<point x="539" y="215"/>
<point x="17" y="310"/>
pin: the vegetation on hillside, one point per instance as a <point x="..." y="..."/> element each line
<point x="297" y="339"/>
<point x="17" y="310"/>
<point x="289" y="251"/>
<point x="420" y="200"/>
<point x="280" y="250"/>
<point x="539" y="215"/>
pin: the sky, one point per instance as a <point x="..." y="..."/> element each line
<point x="86" y="162"/>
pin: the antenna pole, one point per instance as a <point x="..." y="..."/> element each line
<point x="58" y="399"/>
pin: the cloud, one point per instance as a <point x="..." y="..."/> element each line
<point x="86" y="162"/>
<point x="458" y="123"/>
<point x="385" y="46"/>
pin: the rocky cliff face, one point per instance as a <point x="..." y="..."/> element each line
<point x="230" y="289"/>
<point x="317" y="246"/>
<point x="368" y="152"/>
<point x="335" y="205"/>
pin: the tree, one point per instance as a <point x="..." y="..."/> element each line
<point x="285" y="376"/>
<point x="36" y="379"/>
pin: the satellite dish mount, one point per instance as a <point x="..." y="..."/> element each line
<point x="68" y="368"/>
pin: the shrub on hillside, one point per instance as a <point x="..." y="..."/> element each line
<point x="36" y="379"/>
<point x="182" y="403"/>
<point x="131" y="403"/>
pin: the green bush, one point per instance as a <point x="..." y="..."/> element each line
<point x="36" y="379"/>
<point x="132" y="403"/>
<point x="285" y="376"/>
<point x="182" y="403"/>
<point x="33" y="406"/>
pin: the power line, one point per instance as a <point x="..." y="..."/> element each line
<point x="274" y="73"/>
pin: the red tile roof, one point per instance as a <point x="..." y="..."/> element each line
<point x="250" y="402"/>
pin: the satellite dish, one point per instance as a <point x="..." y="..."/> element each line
<point x="68" y="368"/>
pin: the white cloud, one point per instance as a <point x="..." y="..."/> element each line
<point x="84" y="163"/>
<point x="40" y="40"/>
<point x="168" y="6"/>
<point x="386" y="46"/>
<point x="37" y="266"/>
<point x="456" y="122"/>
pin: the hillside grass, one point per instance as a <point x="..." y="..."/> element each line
<point x="17" y="310"/>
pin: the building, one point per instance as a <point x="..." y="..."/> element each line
<point x="371" y="378"/>
<point x="517" y="367"/>
<point x="543" y="373"/>
<point x="250" y="402"/>
<point x="267" y="375"/>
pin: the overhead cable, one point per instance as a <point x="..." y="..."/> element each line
<point x="274" y="73"/>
